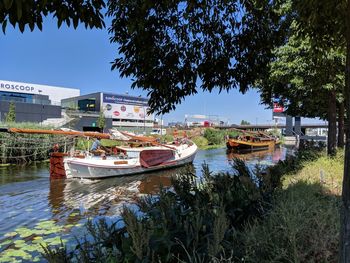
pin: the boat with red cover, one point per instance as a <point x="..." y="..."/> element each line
<point x="150" y="159"/>
<point x="149" y="155"/>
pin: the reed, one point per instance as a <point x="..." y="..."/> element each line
<point x="26" y="148"/>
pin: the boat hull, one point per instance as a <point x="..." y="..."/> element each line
<point x="77" y="168"/>
<point x="233" y="144"/>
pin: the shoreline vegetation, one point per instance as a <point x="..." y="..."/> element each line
<point x="29" y="148"/>
<point x="244" y="215"/>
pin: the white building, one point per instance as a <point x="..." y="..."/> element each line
<point x="25" y="92"/>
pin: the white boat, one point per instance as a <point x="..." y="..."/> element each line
<point x="133" y="160"/>
<point x="141" y="160"/>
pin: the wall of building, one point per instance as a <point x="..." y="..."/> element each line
<point x="56" y="94"/>
<point x="73" y="103"/>
<point x="26" y="112"/>
<point x="122" y="110"/>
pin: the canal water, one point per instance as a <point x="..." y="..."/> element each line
<point x="35" y="209"/>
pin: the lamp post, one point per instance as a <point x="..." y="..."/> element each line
<point x="144" y="119"/>
<point x="41" y="107"/>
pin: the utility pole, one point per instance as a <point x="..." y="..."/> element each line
<point x="41" y="107"/>
<point x="144" y="120"/>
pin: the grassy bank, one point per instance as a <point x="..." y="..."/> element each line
<point x="303" y="225"/>
<point x="289" y="213"/>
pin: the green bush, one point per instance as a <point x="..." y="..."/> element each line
<point x="200" y="141"/>
<point x="214" y="137"/>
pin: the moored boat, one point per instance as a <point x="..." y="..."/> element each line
<point x="252" y="141"/>
<point x="249" y="144"/>
<point x="141" y="154"/>
<point x="149" y="159"/>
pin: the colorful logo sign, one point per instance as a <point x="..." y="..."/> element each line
<point x="277" y="107"/>
<point x="123" y="108"/>
<point x="136" y="109"/>
<point x="116" y="113"/>
<point x="108" y="107"/>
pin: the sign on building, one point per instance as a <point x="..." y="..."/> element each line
<point x="125" y="107"/>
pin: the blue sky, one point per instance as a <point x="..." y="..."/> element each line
<point x="81" y="59"/>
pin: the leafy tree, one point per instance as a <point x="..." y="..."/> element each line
<point x="308" y="81"/>
<point x="172" y="49"/>
<point x="101" y="121"/>
<point x="30" y="13"/>
<point x="244" y="122"/>
<point x="11" y="114"/>
<point x="327" y="23"/>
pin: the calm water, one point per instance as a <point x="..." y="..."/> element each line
<point x="28" y="197"/>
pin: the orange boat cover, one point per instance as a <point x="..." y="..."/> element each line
<point x="149" y="158"/>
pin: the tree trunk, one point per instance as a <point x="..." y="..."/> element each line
<point x="332" y="124"/>
<point x="341" y="125"/>
<point x="345" y="213"/>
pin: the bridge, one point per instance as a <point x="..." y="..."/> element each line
<point x="269" y="126"/>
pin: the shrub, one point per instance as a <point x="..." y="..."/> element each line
<point x="200" y="141"/>
<point x="214" y="137"/>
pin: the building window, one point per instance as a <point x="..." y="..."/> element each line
<point x="87" y="104"/>
<point x="16" y="97"/>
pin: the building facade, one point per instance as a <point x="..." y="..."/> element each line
<point x="121" y="111"/>
<point x="33" y="102"/>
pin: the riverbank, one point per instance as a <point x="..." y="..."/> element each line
<point x="289" y="214"/>
<point x="237" y="214"/>
<point x="303" y="224"/>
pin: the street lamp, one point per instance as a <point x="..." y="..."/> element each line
<point x="41" y="107"/>
<point x="144" y="120"/>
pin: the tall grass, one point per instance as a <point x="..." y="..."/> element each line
<point x="303" y="225"/>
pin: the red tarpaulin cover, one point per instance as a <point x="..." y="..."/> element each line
<point x="150" y="158"/>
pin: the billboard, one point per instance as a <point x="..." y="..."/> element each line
<point x="124" y="99"/>
<point x="125" y="107"/>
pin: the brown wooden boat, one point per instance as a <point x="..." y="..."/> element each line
<point x="251" y="142"/>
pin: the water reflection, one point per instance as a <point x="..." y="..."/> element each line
<point x="266" y="157"/>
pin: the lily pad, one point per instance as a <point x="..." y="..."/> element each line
<point x="19" y="243"/>
<point x="36" y="259"/>
<point x="7" y="242"/>
<point x="33" y="248"/>
<point x="53" y="241"/>
<point x="74" y="214"/>
<point x="10" y="234"/>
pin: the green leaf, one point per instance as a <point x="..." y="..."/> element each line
<point x="8" y="4"/>
<point x="19" y="9"/>
<point x="10" y="234"/>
